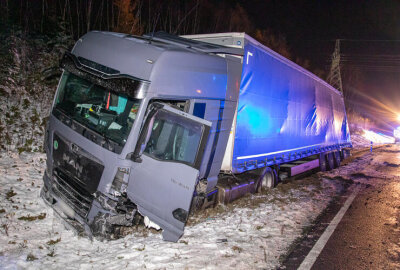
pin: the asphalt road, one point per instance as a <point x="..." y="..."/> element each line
<point x="368" y="235"/>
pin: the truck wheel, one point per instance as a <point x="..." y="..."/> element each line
<point x="268" y="178"/>
<point x="336" y="156"/>
<point x="330" y="163"/>
<point x="345" y="153"/>
<point x="322" y="162"/>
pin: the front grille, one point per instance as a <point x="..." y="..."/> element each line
<point x="72" y="193"/>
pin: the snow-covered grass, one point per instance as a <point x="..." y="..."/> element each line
<point x="28" y="79"/>
<point x="250" y="233"/>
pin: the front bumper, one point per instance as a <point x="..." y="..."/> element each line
<point x="98" y="220"/>
<point x="64" y="211"/>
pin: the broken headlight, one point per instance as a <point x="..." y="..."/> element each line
<point x="120" y="180"/>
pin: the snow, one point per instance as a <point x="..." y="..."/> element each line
<point x="252" y="233"/>
<point x="255" y="234"/>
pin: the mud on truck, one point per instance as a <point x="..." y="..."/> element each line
<point x="149" y="128"/>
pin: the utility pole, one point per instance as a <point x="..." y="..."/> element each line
<point x="334" y="77"/>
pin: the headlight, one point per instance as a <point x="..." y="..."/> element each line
<point x="120" y="180"/>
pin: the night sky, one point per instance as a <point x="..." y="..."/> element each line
<point x="370" y="46"/>
<point x="310" y="21"/>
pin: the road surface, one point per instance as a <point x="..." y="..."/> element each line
<point x="367" y="234"/>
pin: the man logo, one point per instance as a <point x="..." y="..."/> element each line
<point x="55" y="144"/>
<point x="74" y="148"/>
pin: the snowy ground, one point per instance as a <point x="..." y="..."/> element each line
<point x="251" y="233"/>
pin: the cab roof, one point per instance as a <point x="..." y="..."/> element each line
<point x="136" y="55"/>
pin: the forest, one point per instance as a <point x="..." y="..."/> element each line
<point x="36" y="33"/>
<point x="73" y="18"/>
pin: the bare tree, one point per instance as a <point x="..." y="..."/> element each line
<point x="127" y="20"/>
<point x="88" y="14"/>
<point x="276" y="42"/>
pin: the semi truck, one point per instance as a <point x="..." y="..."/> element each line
<point x="146" y="129"/>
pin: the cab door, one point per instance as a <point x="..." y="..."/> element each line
<point x="166" y="167"/>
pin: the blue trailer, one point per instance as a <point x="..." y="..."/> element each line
<point x="150" y="128"/>
<point x="284" y="112"/>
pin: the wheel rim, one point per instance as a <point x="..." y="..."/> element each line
<point x="268" y="179"/>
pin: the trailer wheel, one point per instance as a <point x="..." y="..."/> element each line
<point x="268" y="178"/>
<point x="336" y="156"/>
<point x="345" y="153"/>
<point x="322" y="162"/>
<point x="330" y="163"/>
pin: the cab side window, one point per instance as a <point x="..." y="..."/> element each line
<point x="174" y="138"/>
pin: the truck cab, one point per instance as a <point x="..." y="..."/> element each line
<point x="136" y="124"/>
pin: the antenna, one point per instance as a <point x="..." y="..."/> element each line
<point x="154" y="27"/>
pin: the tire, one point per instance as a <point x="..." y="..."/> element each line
<point x="337" y="159"/>
<point x="322" y="162"/>
<point x="345" y="153"/>
<point x="330" y="162"/>
<point x="268" y="178"/>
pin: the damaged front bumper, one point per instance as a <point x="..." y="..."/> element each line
<point x="95" y="216"/>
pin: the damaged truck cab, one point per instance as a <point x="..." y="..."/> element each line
<point x="136" y="123"/>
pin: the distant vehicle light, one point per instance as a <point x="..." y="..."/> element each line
<point x="396" y="133"/>
<point x="377" y="138"/>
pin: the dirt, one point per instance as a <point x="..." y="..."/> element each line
<point x="33" y="218"/>
<point x="391" y="164"/>
<point x="360" y="175"/>
<point x="53" y="242"/>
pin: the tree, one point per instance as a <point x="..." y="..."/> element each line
<point x="239" y="20"/>
<point x="275" y="42"/>
<point x="127" y="20"/>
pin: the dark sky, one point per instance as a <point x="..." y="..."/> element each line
<point x="311" y="27"/>
<point x="322" y="19"/>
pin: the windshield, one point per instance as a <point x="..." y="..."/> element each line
<point x="106" y="112"/>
